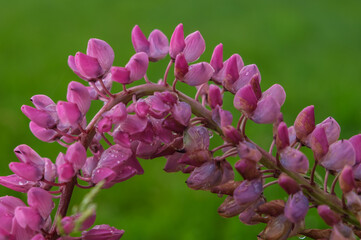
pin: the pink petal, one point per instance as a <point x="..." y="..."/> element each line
<point x="137" y="66"/>
<point x="102" y="51"/>
<point x="88" y="66"/>
<point x="267" y="111"/>
<point x="195" y="46"/>
<point x="177" y="43"/>
<point x="158" y="45"/>
<point x="198" y="74"/>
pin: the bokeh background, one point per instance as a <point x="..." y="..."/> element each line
<point x="312" y="48"/>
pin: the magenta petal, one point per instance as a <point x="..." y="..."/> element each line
<point x="196" y="138"/>
<point x="329" y="216"/>
<point x="27" y="155"/>
<point x="28" y="217"/>
<point x="158" y="45"/>
<point x="41" y="200"/>
<point x="78" y="94"/>
<point x="177" y="43"/>
<point x="114" y="156"/>
<point x="217" y="58"/>
<point x="195" y="46"/>
<point x="332" y="129"/>
<point x="232" y="72"/>
<point x="102" y="232"/>
<point x="140" y="42"/>
<point x="72" y="65"/>
<point x="294" y="160"/>
<point x="43" y="102"/>
<point x="66" y="172"/>
<point x="69" y="113"/>
<point x="198" y="74"/>
<point x="38" y="237"/>
<point x="133" y="124"/>
<point x="356" y="143"/>
<point x="277" y="92"/>
<point x="288" y="184"/>
<point x="347" y="180"/>
<point x="296" y="207"/>
<point x="137" y="66"/>
<point x="205" y="177"/>
<point x="222" y="117"/>
<point x="267" y="111"/>
<point x="117" y="114"/>
<point x="215" y="96"/>
<point x="102" y="51"/>
<point x="172" y="164"/>
<point x="40" y="117"/>
<point x="100" y="174"/>
<point x="88" y="66"/>
<point x="340" y="153"/>
<point x="16" y="183"/>
<point x="245" y="76"/>
<point x="104" y="125"/>
<point x="180" y="67"/>
<point x="245" y="100"/>
<point x="43" y="134"/>
<point x="76" y="155"/>
<point x="50" y="172"/>
<point x="120" y="75"/>
<point x="26" y="171"/>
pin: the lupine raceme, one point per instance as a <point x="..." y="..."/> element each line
<point x="154" y="119"/>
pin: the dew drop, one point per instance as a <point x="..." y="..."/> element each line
<point x="302" y="237"/>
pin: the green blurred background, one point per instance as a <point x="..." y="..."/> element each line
<point x="312" y="48"/>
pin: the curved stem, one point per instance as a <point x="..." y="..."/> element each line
<point x="166" y="73"/>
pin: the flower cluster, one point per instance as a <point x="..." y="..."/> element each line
<point x="154" y="120"/>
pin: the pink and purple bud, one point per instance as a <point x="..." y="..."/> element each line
<point x="86" y="66"/>
<point x="319" y="143"/>
<point x="180" y="66"/>
<point x="41" y="200"/>
<point x="26" y="171"/>
<point x="198" y="74"/>
<point x="137" y="66"/>
<point x="288" y="184"/>
<point x="332" y="129"/>
<point x="205" y="177"/>
<point x="43" y="134"/>
<point x="69" y="113"/>
<point x="217" y="62"/>
<point x="267" y="111"/>
<point x="28" y="217"/>
<point x="282" y="138"/>
<point x="247" y="169"/>
<point x="294" y="160"/>
<point x="346" y="179"/>
<point x="245" y="100"/>
<point x="102" y="51"/>
<point x="104" y="125"/>
<point x="230" y="208"/>
<point x="305" y="122"/>
<point x="215" y="97"/>
<point x="296" y="207"/>
<point x="246" y="74"/>
<point x="231" y="72"/>
<point x="248" y="191"/>
<point x="177" y="43"/>
<point x="329" y="216"/>
<point x="76" y="155"/>
<point x="340" y="153"/>
<point x="194" y="46"/>
<point x="40" y="117"/>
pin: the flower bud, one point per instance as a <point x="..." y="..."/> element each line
<point x="205" y="177"/>
<point x="214" y="96"/>
<point x="120" y="75"/>
<point x="67" y="224"/>
<point x="140" y="42"/>
<point x="329" y="216"/>
<point x="76" y="155"/>
<point x="198" y="74"/>
<point x="180" y="66"/>
<point x="182" y="113"/>
<point x="319" y="143"/>
<point x="194" y="46"/>
<point x="217" y="58"/>
<point x="177" y="43"/>
<point x="247" y="168"/>
<point x="117" y="114"/>
<point x="102" y="232"/>
<point x="26" y="171"/>
<point x="245" y="100"/>
<point x="88" y="66"/>
<point x="43" y="102"/>
<point x="50" y="172"/>
<point x="305" y="122"/>
<point x="340" y="153"/>
<point x="231" y="72"/>
<point x="296" y="207"/>
<point x="69" y="113"/>
<point x="41" y="200"/>
<point x="249" y="151"/>
<point x="26" y="154"/>
<point x="294" y="160"/>
<point x="332" y="129"/>
<point x="222" y="117"/>
<point x="40" y="117"/>
<point x="356" y="143"/>
<point x="255" y="83"/>
<point x="282" y="138"/>
<point x="346" y="179"/>
<point x="267" y="111"/>
<point x="248" y="191"/>
<point x="231" y="134"/>
<point x="158" y="45"/>
<point x="28" y="217"/>
<point x="137" y="66"/>
<point x="288" y="184"/>
<point x="230" y="208"/>
<point x="102" y="51"/>
<point x="247" y="215"/>
<point x="196" y="138"/>
<point x="78" y="94"/>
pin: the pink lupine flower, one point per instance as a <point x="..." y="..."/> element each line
<point x="69" y="113"/>
<point x="105" y="125"/>
<point x="247" y="168"/>
<point x="43" y="134"/>
<point x="288" y="184"/>
<point x="41" y="200"/>
<point x="194" y="46"/>
<point x="230" y="208"/>
<point x="177" y="42"/>
<point x="194" y="75"/>
<point x="215" y="97"/>
<point x="340" y="153"/>
<point x="332" y="129"/>
<point x="246" y="74"/>
<point x="87" y="66"/>
<point x="294" y="160"/>
<point x="40" y="117"/>
<point x="217" y="63"/>
<point x="222" y="117"/>
<point x="156" y="46"/>
<point x="26" y="171"/>
<point x="282" y="138"/>
<point x="76" y="155"/>
<point x="305" y="122"/>
<point x="346" y="179"/>
<point x="247" y="215"/>
<point x="319" y="143"/>
<point x="205" y="177"/>
<point x="28" y="217"/>
<point x="17" y="183"/>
